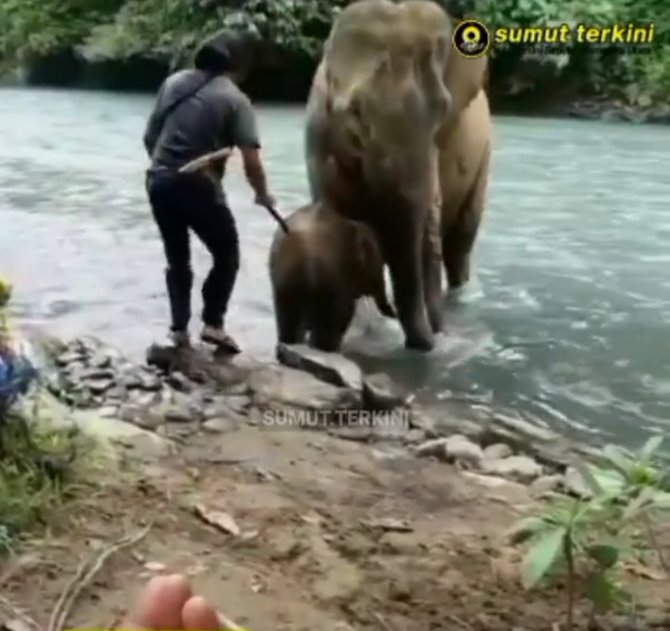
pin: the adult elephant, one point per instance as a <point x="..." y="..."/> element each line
<point x="397" y="135"/>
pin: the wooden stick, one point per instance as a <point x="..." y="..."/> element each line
<point x="83" y="578"/>
<point x="206" y="160"/>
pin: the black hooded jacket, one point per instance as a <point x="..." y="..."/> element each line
<point x="200" y="110"/>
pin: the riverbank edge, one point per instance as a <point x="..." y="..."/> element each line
<point x="193" y="390"/>
<point x="505" y="468"/>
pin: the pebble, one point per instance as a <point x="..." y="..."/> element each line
<point x="433" y="447"/>
<point x="179" y="414"/>
<point x="219" y="425"/>
<point x="520" y="468"/>
<point x="497" y="451"/>
<point x="99" y="386"/>
<point x="575" y="484"/>
<point x="546" y="484"/>
<point x="180" y="382"/>
<point x="462" y="450"/>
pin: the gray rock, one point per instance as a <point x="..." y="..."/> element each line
<point x="109" y="411"/>
<point x="101" y="360"/>
<point x="575" y="484"/>
<point x="432" y="448"/>
<point x="381" y="393"/>
<point x="424" y="422"/>
<point x="179" y="414"/>
<point x="108" y="430"/>
<point x="414" y="437"/>
<point x="462" y="450"/>
<point x="99" y="373"/>
<point x="150" y="383"/>
<point x="497" y="451"/>
<point x="180" y="382"/>
<point x="99" y="386"/>
<point x="281" y="386"/>
<point x="520" y="468"/>
<point x="546" y="484"/>
<point x="219" y="425"/>
<point x="68" y="357"/>
<point x="331" y="368"/>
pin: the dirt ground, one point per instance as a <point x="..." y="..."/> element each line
<point x="321" y="545"/>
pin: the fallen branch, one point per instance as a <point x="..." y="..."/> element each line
<point x="227" y="623"/>
<point x="18" y="612"/>
<point x="206" y="160"/>
<point x="83" y="578"/>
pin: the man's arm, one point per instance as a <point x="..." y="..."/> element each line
<point x="245" y="137"/>
<point x="152" y="130"/>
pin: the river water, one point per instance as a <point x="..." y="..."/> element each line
<point x="567" y="322"/>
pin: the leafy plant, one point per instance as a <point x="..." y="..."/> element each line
<point x="590" y="538"/>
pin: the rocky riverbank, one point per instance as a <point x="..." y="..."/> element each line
<point x="299" y="494"/>
<point x="177" y="394"/>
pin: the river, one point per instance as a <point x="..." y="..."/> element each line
<point x="567" y="322"/>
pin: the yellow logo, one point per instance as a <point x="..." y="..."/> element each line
<point x="471" y="38"/>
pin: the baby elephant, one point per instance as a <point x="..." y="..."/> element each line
<point x="318" y="272"/>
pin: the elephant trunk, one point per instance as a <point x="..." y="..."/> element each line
<point x="401" y="232"/>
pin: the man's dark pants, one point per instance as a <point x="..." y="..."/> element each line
<point x="183" y="201"/>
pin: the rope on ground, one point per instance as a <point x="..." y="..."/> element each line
<point x="83" y="578"/>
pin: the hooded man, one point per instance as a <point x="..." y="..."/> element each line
<point x="199" y="111"/>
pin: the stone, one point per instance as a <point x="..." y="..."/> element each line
<point x="381" y="393"/>
<point x="497" y="451"/>
<point x="219" y="425"/>
<point x="179" y="414"/>
<point x="101" y="360"/>
<point x="576" y="485"/>
<point x="109" y="430"/>
<point x="331" y="368"/>
<point x="68" y="357"/>
<point x="462" y="450"/>
<point x="431" y="448"/>
<point x="520" y="468"/>
<point x="150" y="382"/>
<point x="414" y="437"/>
<point x="282" y="386"/>
<point x="421" y="421"/>
<point x="109" y="411"/>
<point x="546" y="484"/>
<point x="180" y="382"/>
<point x="99" y="373"/>
<point x="99" y="386"/>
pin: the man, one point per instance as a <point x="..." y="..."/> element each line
<point x="197" y="112"/>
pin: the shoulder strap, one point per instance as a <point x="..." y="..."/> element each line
<point x="173" y="106"/>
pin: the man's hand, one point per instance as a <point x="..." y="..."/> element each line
<point x="167" y="602"/>
<point x="266" y="200"/>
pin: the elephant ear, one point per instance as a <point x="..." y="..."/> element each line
<point x="464" y="79"/>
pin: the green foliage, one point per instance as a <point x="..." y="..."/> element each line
<point x="169" y="30"/>
<point x="593" y="537"/>
<point x="37" y="467"/>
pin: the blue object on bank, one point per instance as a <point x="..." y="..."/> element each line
<point x="16" y="375"/>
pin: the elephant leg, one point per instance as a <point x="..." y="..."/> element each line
<point x="432" y="264"/>
<point x="406" y="269"/>
<point x="458" y="239"/>
<point x="289" y="316"/>
<point x="331" y="318"/>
